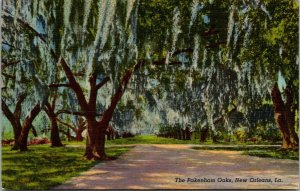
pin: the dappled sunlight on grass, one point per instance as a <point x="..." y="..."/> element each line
<point x="149" y="139"/>
<point x="43" y="167"/>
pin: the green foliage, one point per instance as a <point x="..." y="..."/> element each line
<point x="147" y="139"/>
<point x="43" y="167"/>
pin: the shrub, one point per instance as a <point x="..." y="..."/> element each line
<point x="39" y="141"/>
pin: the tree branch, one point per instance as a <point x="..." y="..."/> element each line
<point x="17" y="112"/>
<point x="9" y="115"/>
<point x="69" y="74"/>
<point x="104" y="81"/>
<point x="66" y="124"/>
<point x="58" y="85"/>
<point x="34" y="112"/>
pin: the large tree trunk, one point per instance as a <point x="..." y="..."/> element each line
<point x="21" y="142"/>
<point x="80" y="129"/>
<point x="55" y="139"/>
<point x="14" y="118"/>
<point x="183" y="135"/>
<point x="284" y="117"/>
<point x="17" y="132"/>
<point x="95" y="145"/>
<point x="187" y="134"/>
<point x="203" y="135"/>
<point x="95" y="140"/>
<point x="290" y="112"/>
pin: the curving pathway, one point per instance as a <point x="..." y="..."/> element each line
<point x="158" y="166"/>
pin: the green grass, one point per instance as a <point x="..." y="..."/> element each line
<point x="267" y="151"/>
<point x="43" y="167"/>
<point x="152" y="139"/>
<point x="148" y="139"/>
<point x="140" y="139"/>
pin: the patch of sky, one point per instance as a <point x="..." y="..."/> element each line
<point x="206" y="19"/>
<point x="281" y="81"/>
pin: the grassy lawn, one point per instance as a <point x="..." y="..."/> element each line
<point x="140" y="139"/>
<point x="149" y="139"/>
<point x="43" y="167"/>
<point x="152" y="139"/>
<point x="270" y="152"/>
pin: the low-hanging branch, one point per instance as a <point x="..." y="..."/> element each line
<point x="69" y="74"/>
<point x="66" y="124"/>
<point x="18" y="107"/>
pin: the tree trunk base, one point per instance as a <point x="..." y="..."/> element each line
<point x="94" y="156"/>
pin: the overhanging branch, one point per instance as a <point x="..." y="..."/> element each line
<point x="69" y="74"/>
<point x="66" y="124"/>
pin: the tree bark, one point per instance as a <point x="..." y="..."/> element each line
<point x="290" y="113"/>
<point x="187" y="134"/>
<point x="95" y="140"/>
<point x="203" y="136"/>
<point x="96" y="130"/>
<point x="182" y="133"/>
<point x="284" y="117"/>
<point x="14" y="119"/>
<point x="22" y="140"/>
<point x="55" y="139"/>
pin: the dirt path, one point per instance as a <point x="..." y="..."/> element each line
<point x="158" y="166"/>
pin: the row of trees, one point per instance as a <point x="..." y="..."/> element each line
<point x="66" y="56"/>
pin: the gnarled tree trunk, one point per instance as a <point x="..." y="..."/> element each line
<point x="22" y="140"/>
<point x="55" y="139"/>
<point x="17" y="132"/>
<point x="20" y="131"/>
<point x="187" y="133"/>
<point x="284" y="115"/>
<point x="95" y="140"/>
<point x="290" y="112"/>
<point x="204" y="134"/>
